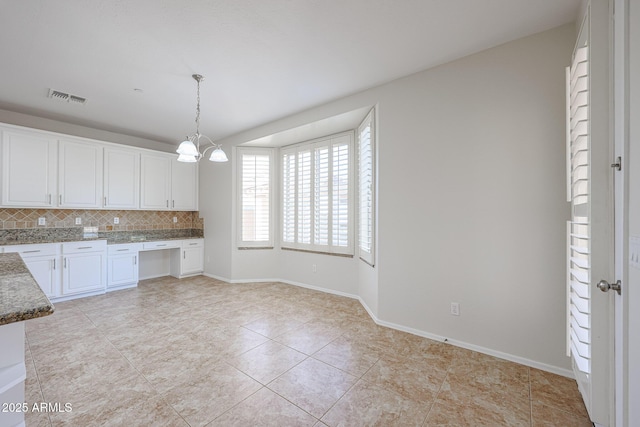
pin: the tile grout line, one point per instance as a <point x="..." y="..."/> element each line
<point x="35" y="368"/>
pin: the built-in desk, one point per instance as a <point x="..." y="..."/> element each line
<point x="74" y="269"/>
<point x="177" y="258"/>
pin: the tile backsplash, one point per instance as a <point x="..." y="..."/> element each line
<point x="12" y="219"/>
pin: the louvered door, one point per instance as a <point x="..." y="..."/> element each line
<point x="590" y="230"/>
<point x="578" y="227"/>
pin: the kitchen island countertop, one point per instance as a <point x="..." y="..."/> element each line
<point x="20" y="295"/>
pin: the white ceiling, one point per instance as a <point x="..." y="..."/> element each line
<point x="262" y="59"/>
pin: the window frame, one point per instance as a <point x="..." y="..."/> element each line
<point x="311" y="146"/>
<point x="240" y="153"/>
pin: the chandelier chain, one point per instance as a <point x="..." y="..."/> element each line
<point x="198" y="109"/>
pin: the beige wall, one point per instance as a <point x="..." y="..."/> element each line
<point x="476" y="147"/>
<point x="471" y="203"/>
<point x="34" y="122"/>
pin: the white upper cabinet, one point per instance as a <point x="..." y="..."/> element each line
<point x="80" y="174"/>
<point x="184" y="186"/>
<point x="121" y="178"/>
<point x="166" y="184"/>
<point x="43" y="169"/>
<point x="155" y="181"/>
<point x="29" y="169"/>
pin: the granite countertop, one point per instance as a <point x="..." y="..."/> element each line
<point x="29" y="237"/>
<point x="20" y="295"/>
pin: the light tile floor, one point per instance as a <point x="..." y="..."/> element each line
<point x="198" y="352"/>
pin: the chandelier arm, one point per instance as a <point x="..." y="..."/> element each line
<point x="209" y="148"/>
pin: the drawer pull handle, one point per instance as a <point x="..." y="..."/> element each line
<point x="85" y="247"/>
<point x="162" y="245"/>
<point x="122" y="250"/>
<point x="31" y="252"/>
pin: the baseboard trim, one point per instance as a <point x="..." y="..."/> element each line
<point x="500" y="355"/>
<point x="318" y="288"/>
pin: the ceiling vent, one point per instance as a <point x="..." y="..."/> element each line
<point x="63" y="96"/>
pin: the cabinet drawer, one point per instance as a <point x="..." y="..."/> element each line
<point x="27" y="251"/>
<point x="192" y="243"/>
<point x="123" y="249"/>
<point x="78" y="247"/>
<point x="162" y="244"/>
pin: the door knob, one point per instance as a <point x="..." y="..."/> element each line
<point x="604" y="286"/>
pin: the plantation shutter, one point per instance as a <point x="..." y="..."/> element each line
<point x="365" y="188"/>
<point x="341" y="193"/>
<point x="317" y="195"/>
<point x="289" y="197"/>
<point x="304" y="197"/>
<point x="578" y="229"/>
<point x="255" y="197"/>
<point x="321" y="198"/>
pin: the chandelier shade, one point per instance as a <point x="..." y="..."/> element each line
<point x="189" y="149"/>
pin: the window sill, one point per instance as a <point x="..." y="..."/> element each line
<point x="251" y="248"/>
<point x="318" y="252"/>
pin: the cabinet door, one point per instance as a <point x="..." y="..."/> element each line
<point x="155" y="181"/>
<point x="83" y="272"/>
<point x="184" y="186"/>
<point x="121" y="179"/>
<point x="80" y="175"/>
<point x="192" y="260"/>
<point x="123" y="270"/>
<point x="45" y="271"/>
<point x="29" y="169"/>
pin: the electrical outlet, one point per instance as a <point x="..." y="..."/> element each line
<point x="116" y="220"/>
<point x="42" y="221"/>
<point x="455" y="309"/>
<point x="78" y="221"/>
<point x="175" y="219"/>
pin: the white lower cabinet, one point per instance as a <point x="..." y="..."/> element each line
<point x="122" y="266"/>
<point x="77" y="269"/>
<point x="191" y="259"/>
<point x="84" y="267"/>
<point x="43" y="262"/>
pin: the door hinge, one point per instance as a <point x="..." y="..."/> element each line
<point x="617" y="164"/>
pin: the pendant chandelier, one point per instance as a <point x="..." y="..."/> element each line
<point x="189" y="149"/>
